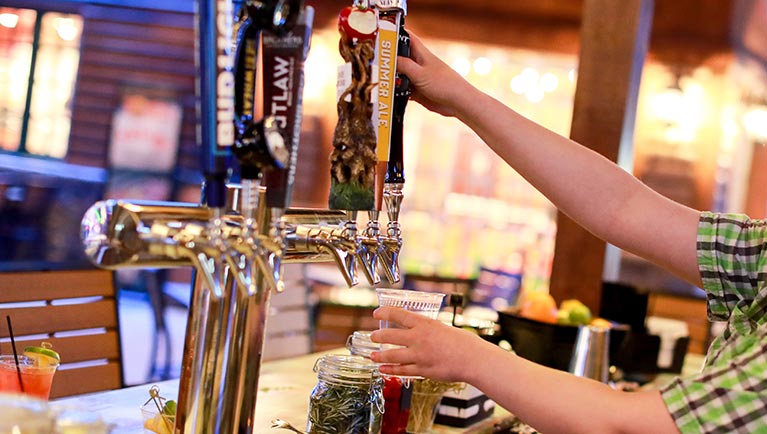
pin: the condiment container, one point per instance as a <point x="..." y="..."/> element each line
<point x="348" y="397"/>
<point x="397" y="392"/>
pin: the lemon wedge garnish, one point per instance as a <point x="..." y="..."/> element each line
<point x="43" y="355"/>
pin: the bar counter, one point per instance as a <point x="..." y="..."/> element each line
<point x="284" y="388"/>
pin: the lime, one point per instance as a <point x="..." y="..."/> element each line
<point x="169" y="408"/>
<point x="580" y="315"/>
<point x="43" y="355"/>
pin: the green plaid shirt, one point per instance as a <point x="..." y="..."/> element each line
<point x="730" y="394"/>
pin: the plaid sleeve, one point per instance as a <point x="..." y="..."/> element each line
<point x="729" y="397"/>
<point x="730" y="394"/>
<point x="732" y="260"/>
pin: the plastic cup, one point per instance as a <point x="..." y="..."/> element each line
<point x="420" y="302"/>
<point x="154" y="423"/>
<point x="37" y="380"/>
<point x="25" y="414"/>
<point x="427" y="395"/>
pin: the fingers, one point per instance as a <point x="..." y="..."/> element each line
<point x="402" y="370"/>
<point x="391" y="336"/>
<point x="398" y="315"/>
<point x="407" y="66"/>
<point x="418" y="50"/>
<point x="400" y="356"/>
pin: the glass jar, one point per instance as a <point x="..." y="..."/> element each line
<point x="397" y="392"/>
<point x="348" y="397"/>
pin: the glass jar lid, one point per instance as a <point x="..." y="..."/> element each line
<point x="346" y="369"/>
<point x="359" y="344"/>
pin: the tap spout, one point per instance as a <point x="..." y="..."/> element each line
<point x="369" y="247"/>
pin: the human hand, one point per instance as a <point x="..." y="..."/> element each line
<point x="435" y="85"/>
<point x="431" y="349"/>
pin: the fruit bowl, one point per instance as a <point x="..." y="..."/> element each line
<point x="548" y="344"/>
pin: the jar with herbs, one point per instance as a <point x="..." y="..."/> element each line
<point x="348" y="397"/>
<point x="397" y="391"/>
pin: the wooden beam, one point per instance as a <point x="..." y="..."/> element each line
<point x="614" y="38"/>
<point x="756" y="196"/>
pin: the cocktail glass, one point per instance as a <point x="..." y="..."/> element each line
<point x="155" y="422"/>
<point x="36" y="380"/>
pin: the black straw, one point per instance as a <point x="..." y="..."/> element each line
<point x="15" y="353"/>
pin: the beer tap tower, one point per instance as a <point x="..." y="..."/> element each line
<point x="239" y="237"/>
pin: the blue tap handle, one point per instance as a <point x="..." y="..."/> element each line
<point x="216" y="92"/>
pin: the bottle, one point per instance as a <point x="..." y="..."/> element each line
<point x="348" y="397"/>
<point x="397" y="392"/>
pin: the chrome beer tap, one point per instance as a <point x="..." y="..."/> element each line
<point x="370" y="246"/>
<point x="239" y="236"/>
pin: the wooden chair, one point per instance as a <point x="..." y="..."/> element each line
<point x="76" y="311"/>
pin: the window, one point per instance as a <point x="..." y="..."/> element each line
<point x="39" y="55"/>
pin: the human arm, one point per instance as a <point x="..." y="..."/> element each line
<point x="593" y="191"/>
<point x="547" y="399"/>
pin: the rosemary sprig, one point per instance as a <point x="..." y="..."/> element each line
<point x="344" y="409"/>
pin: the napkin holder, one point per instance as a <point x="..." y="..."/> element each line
<point x="464" y="408"/>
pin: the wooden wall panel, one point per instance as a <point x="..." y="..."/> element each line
<point x="127" y="49"/>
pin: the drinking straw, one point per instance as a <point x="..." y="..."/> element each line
<point x="15" y="353"/>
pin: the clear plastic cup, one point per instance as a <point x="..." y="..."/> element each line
<point x="37" y="380"/>
<point x="427" y="395"/>
<point x="420" y="302"/>
<point x="24" y="414"/>
<point x="155" y="422"/>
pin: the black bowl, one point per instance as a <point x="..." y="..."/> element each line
<point x="549" y="344"/>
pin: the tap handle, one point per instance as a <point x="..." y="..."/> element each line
<point x="245" y="69"/>
<point x="215" y="109"/>
<point x="400" y="5"/>
<point x="283" y="69"/>
<point x="261" y="146"/>
<point x="277" y="16"/>
<point x="395" y="171"/>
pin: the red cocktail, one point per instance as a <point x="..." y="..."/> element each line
<point x="37" y="380"/>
